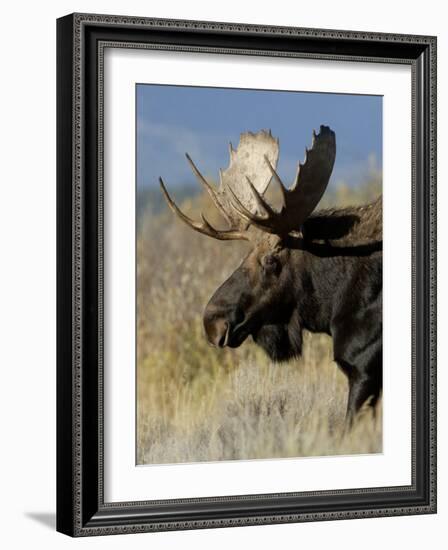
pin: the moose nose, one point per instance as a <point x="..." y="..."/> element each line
<point x="217" y="331"/>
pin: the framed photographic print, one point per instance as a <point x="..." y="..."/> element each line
<point x="246" y="274"/>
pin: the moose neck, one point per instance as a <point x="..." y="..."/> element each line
<point x="333" y="245"/>
<point x="316" y="281"/>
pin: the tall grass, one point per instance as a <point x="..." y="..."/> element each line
<point x="197" y="403"/>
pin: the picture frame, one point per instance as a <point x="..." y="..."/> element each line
<point x="81" y="506"/>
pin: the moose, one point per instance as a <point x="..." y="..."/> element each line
<point x="315" y="270"/>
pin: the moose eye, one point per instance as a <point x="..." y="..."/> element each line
<point x="271" y="264"/>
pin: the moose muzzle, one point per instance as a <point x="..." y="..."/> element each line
<point x="217" y="331"/>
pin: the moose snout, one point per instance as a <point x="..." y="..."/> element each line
<point x="225" y="313"/>
<point x="217" y="330"/>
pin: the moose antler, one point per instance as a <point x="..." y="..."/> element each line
<point x="239" y="196"/>
<point x="248" y="160"/>
<point x="204" y="227"/>
<point x="301" y="199"/>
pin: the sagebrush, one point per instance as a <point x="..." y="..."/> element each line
<point x="198" y="403"/>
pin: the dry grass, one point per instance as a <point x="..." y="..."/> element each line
<point x="196" y="403"/>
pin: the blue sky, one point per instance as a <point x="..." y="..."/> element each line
<point x="172" y="120"/>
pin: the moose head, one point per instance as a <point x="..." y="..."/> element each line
<point x="260" y="297"/>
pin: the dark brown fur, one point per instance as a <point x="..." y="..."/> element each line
<point x="327" y="278"/>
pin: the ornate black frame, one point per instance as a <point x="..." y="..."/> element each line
<point x="81" y="38"/>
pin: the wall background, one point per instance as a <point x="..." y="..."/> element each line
<point x="27" y="275"/>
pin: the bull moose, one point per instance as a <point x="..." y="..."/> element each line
<point x="320" y="271"/>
